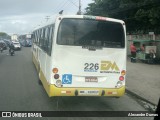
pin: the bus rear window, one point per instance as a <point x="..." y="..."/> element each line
<point x="83" y="32"/>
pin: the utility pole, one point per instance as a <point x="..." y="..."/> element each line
<point x="79" y="11"/>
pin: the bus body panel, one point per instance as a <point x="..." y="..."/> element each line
<point x="52" y="90"/>
<point x="73" y="62"/>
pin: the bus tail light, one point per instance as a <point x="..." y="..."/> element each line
<point x="121" y="78"/>
<point x="112" y="93"/>
<point x="119" y="84"/>
<point x="55" y="70"/>
<point x="58" y="83"/>
<point x="123" y="72"/>
<point x="56" y="76"/>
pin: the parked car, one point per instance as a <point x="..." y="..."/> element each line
<point x="17" y="45"/>
<point x="21" y="42"/>
<point x="28" y="43"/>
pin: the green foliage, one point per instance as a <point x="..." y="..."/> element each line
<point x="4" y="35"/>
<point x="140" y="16"/>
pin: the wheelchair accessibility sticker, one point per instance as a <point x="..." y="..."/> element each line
<point x="67" y="79"/>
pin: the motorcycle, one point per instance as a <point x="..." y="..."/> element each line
<point x="11" y="52"/>
<point x="1" y="49"/>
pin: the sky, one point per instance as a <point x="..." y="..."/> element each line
<point x="22" y="16"/>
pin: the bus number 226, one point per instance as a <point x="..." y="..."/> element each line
<point x="91" y="66"/>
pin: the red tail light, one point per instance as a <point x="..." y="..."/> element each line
<point x="121" y="78"/>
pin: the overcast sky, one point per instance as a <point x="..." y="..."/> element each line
<point x="22" y="16"/>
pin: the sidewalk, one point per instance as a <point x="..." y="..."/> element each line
<point x="144" y="80"/>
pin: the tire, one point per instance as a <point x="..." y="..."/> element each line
<point x="39" y="80"/>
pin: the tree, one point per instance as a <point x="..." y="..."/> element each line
<point x="4" y="35"/>
<point x="139" y="15"/>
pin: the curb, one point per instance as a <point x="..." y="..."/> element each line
<point x="140" y="97"/>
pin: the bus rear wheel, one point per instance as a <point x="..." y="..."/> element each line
<point x="39" y="76"/>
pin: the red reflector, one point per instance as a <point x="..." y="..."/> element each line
<point x="121" y="78"/>
<point x="68" y="92"/>
<point x="109" y="92"/>
<point x="100" y="18"/>
<point x="56" y="76"/>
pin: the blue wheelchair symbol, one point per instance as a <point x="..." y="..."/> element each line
<point x="67" y="79"/>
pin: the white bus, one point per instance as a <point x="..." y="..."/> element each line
<point x="81" y="55"/>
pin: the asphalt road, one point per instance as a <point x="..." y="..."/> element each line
<point x="144" y="80"/>
<point x="20" y="91"/>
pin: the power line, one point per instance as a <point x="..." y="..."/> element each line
<point x="69" y="6"/>
<point x="66" y="5"/>
<point x="60" y="6"/>
<point x="73" y="3"/>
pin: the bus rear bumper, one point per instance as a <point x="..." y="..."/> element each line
<point x="55" y="91"/>
<point x="52" y="90"/>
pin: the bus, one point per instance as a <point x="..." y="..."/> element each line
<point x="81" y="55"/>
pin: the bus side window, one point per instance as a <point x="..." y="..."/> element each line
<point x="36" y="34"/>
<point x="41" y="38"/>
<point x="35" y="37"/>
<point x="37" y="41"/>
<point x="45" y="43"/>
<point x="38" y="37"/>
<point x="50" y="40"/>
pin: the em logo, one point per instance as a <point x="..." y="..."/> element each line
<point x="107" y="65"/>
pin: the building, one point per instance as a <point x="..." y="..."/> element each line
<point x="14" y="37"/>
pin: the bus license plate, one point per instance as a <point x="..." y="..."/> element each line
<point x="91" y="79"/>
<point x="89" y="92"/>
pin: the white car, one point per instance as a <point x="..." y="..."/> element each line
<point x="17" y="45"/>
